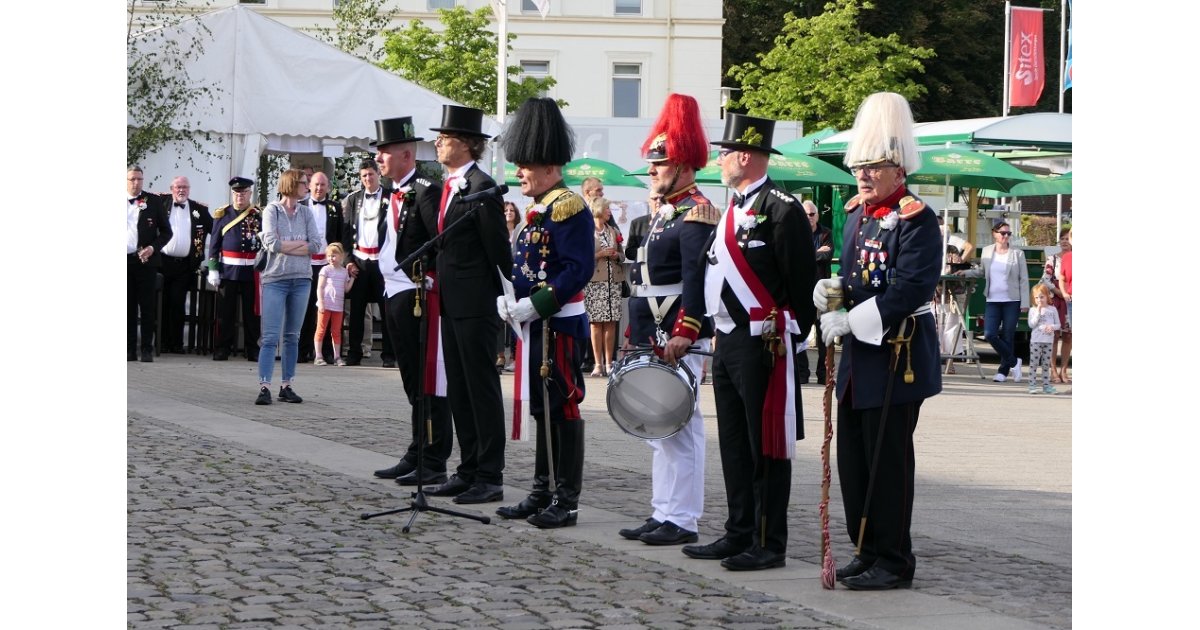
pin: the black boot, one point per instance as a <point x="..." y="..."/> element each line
<point x="539" y="498"/>
<point x="568" y="456"/>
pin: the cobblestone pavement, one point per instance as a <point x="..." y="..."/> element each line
<point x="223" y="535"/>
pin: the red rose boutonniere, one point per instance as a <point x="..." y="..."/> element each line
<point x="535" y="214"/>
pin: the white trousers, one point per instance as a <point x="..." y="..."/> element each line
<point x="677" y="469"/>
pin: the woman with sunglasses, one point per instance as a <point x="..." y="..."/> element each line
<point x="1006" y="287"/>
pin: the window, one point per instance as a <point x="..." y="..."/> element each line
<point x="627" y="7"/>
<point x="627" y="88"/>
<point x="441" y="4"/>
<point x="527" y="6"/>
<point x="536" y="69"/>
<point x="252" y="1"/>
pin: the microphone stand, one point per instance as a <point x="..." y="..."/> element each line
<point x="419" y="503"/>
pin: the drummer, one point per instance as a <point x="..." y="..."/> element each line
<point x="667" y="310"/>
<point x="551" y="264"/>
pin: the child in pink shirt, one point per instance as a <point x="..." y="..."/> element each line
<point x="332" y="284"/>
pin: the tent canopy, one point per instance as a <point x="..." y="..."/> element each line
<point x="1044" y="130"/>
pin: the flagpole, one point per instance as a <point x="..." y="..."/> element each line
<point x="1062" y="97"/>
<point x="501" y="8"/>
<point x="1007" y="52"/>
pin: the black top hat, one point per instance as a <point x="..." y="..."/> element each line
<point x="747" y="133"/>
<point x="393" y="131"/>
<point x="240" y="183"/>
<point x="457" y="119"/>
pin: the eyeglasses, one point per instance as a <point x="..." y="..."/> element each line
<point x="872" y="169"/>
<point x="811" y="214"/>
<point x="1003" y="233"/>
<point x="442" y="138"/>
<point x="724" y="151"/>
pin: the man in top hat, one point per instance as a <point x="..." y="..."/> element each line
<point x="190" y="225"/>
<point x="470" y="262"/>
<point x="362" y="213"/>
<point x="757" y="288"/>
<point x="148" y="231"/>
<point x="551" y="263"/>
<point x="891" y="263"/>
<point x="327" y="214"/>
<point x="666" y="308"/>
<point x="408" y="220"/>
<point x="231" y="269"/>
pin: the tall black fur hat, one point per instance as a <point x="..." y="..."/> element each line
<point x="538" y="134"/>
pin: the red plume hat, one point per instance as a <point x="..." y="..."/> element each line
<point x="678" y="135"/>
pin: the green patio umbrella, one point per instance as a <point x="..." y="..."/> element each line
<point x="967" y="169"/>
<point x="1052" y="184"/>
<point x="575" y="171"/>
<point x="789" y="171"/>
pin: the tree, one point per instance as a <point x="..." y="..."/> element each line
<point x="458" y="63"/>
<point x="822" y="68"/>
<point x="160" y="96"/>
<point x="358" y="22"/>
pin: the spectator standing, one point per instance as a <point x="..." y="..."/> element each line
<point x="147" y="231"/>
<point x="1043" y="322"/>
<point x="231" y="270"/>
<point x="327" y="214"/>
<point x="191" y="224"/>
<point x="603" y="293"/>
<point x="332" y="283"/>
<point x="1006" y="288"/>
<point x="361" y="212"/>
<point x="1065" y="277"/>
<point x="823" y="243"/>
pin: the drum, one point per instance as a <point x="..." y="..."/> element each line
<point x="648" y="398"/>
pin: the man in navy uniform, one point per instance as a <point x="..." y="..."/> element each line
<point x="891" y="263"/>
<point x="190" y="225"/>
<point x="758" y="289"/>
<point x="327" y="213"/>
<point x="148" y="231"/>
<point x="231" y="270"/>
<point x="470" y="261"/>
<point x="667" y="309"/>
<point x="551" y="263"/>
<point x="362" y="213"/>
<point x="408" y="220"/>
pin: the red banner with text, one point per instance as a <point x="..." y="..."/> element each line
<point x="1027" y="61"/>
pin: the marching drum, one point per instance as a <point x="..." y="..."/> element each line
<point x="648" y="398"/>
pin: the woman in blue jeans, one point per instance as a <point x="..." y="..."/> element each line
<point x="1006" y="287"/>
<point x="290" y="234"/>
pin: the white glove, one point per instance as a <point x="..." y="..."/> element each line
<point x="503" y="308"/>
<point x="429" y="284"/>
<point x="833" y="325"/>
<point x="214" y="278"/>
<point x="522" y="311"/>
<point x="821" y="295"/>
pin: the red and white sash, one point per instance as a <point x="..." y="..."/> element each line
<point x="779" y="406"/>
<point x="435" y="360"/>
<point x="521" y="385"/>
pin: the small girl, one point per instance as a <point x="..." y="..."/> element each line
<point x="332" y="285"/>
<point x="1043" y="322"/>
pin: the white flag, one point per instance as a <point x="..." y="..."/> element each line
<point x="543" y="7"/>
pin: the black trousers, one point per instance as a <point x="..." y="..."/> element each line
<point x="179" y="275"/>
<point x="140" y="302"/>
<point x="367" y="289"/>
<point x="888" y="543"/>
<point x="566" y="390"/>
<point x="475" y="400"/>
<point x="232" y="292"/>
<point x="818" y="369"/>
<point x="758" y="488"/>
<point x="308" y="329"/>
<point x="404" y="329"/>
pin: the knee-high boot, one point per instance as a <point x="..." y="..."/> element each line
<point x="539" y="497"/>
<point x="568" y="468"/>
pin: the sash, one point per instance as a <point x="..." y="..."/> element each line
<point x="521" y="384"/>
<point x="435" y="361"/>
<point x="779" y="406"/>
<point x="228" y="226"/>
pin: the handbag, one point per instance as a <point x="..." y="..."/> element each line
<point x="624" y="288"/>
<point x="260" y="256"/>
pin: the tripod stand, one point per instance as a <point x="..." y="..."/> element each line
<point x="419" y="503"/>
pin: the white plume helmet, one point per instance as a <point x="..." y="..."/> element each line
<point x="883" y="131"/>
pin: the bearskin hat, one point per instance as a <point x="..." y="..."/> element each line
<point x="883" y="132"/>
<point x="538" y="134"/>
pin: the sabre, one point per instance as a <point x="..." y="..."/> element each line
<point x="545" y="372"/>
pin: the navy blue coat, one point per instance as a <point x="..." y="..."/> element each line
<point x="241" y="238"/>
<point x="556" y="248"/>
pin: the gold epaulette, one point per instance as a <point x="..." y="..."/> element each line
<point x="220" y="212"/>
<point x="852" y="204"/>
<point x="703" y="213"/>
<point x="563" y="204"/>
<point x="910" y="207"/>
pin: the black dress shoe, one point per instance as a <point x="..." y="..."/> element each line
<point x="264" y="397"/>
<point x="876" y="579"/>
<point x="669" y="534"/>
<point x="253" y="358"/>
<point x="527" y="507"/>
<point x="553" y="517"/>
<point x="633" y="533"/>
<point x="427" y="478"/>
<point x="399" y="470"/>
<point x="754" y="559"/>
<point x="221" y="355"/>
<point x="389" y="364"/>
<point x="855" y="567"/>
<point x="147" y="356"/>
<point x="454" y="487"/>
<point x="131" y="356"/>
<point x="719" y="550"/>
<point x="481" y="493"/>
<point x="353" y="360"/>
<point x="287" y="395"/>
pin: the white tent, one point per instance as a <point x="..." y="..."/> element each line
<point x="279" y="90"/>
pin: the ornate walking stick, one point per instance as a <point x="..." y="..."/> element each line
<point x="828" y="566"/>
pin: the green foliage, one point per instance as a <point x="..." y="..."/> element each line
<point x="459" y="62"/>
<point x="160" y="96"/>
<point x="822" y="68"/>
<point x="357" y="22"/>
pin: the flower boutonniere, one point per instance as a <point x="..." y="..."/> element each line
<point x="141" y="204"/>
<point x="620" y="239"/>
<point x="400" y="194"/>
<point x="751" y="219"/>
<point x="195" y="214"/>
<point x="535" y="214"/>
<point x="666" y="211"/>
<point x="460" y="184"/>
<point x="889" y="220"/>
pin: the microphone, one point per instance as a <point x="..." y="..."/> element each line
<point x="498" y="191"/>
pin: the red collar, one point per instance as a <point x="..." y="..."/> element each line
<point x="880" y="210"/>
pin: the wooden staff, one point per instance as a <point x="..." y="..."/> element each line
<point x="828" y="566"/>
